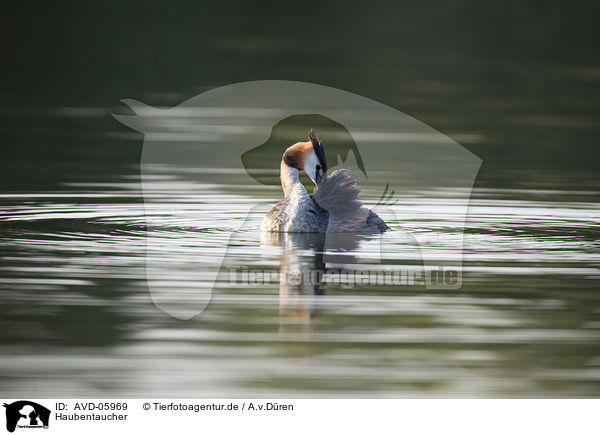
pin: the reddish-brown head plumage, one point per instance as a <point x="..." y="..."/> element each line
<point x="295" y="156"/>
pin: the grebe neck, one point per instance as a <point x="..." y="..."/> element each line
<point x="290" y="181"/>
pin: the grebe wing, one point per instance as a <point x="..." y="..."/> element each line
<point x="338" y="194"/>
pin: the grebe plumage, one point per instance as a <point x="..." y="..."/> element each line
<point x="333" y="207"/>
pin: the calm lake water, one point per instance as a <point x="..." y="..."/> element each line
<point x="77" y="319"/>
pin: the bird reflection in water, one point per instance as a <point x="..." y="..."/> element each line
<point x="306" y="258"/>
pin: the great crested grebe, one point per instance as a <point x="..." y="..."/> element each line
<point x="334" y="205"/>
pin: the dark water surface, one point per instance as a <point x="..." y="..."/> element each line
<point x="517" y="86"/>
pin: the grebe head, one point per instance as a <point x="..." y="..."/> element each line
<point x="308" y="156"/>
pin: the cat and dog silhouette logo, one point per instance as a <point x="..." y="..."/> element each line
<point x="26" y="414"/>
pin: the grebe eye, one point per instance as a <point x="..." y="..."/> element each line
<point x="318" y="167"/>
